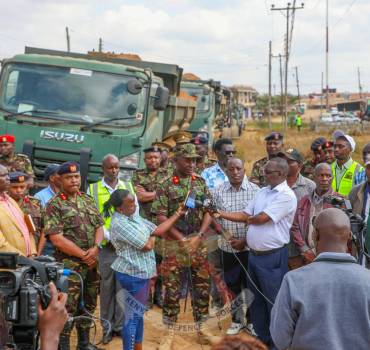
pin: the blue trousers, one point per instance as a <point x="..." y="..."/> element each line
<point x="267" y="272"/>
<point x="136" y="295"/>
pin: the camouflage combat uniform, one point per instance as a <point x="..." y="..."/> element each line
<point x="77" y="221"/>
<point x="308" y="168"/>
<point x="150" y="182"/>
<point x="170" y="195"/>
<point x="18" y="162"/>
<point x="257" y="175"/>
<point x="32" y="206"/>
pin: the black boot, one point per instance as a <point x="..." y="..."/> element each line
<point x="84" y="340"/>
<point x="158" y="295"/>
<point x="64" y="343"/>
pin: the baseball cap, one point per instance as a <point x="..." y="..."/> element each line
<point x="51" y="169"/>
<point x="350" y="139"/>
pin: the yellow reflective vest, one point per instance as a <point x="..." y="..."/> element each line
<point x="347" y="181"/>
<point x="101" y="194"/>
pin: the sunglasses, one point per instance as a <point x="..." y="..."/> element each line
<point x="230" y="152"/>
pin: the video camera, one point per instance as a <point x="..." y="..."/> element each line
<point x="23" y="283"/>
<point x="358" y="226"/>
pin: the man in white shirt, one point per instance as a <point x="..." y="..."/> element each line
<point x="270" y="216"/>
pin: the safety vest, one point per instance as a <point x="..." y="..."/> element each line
<point x="347" y="181"/>
<point x="101" y="195"/>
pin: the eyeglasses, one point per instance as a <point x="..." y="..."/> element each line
<point x="230" y="152"/>
<point x="270" y="172"/>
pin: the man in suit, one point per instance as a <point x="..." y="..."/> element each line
<point x="14" y="234"/>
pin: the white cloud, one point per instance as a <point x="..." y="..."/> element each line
<point x="224" y="40"/>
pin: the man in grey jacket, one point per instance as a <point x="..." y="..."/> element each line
<point x="324" y="305"/>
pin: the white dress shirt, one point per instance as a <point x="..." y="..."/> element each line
<point x="280" y="204"/>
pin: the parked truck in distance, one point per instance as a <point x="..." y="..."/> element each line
<point x="208" y="94"/>
<point x="68" y="106"/>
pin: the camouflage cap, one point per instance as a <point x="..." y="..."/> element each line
<point x="187" y="150"/>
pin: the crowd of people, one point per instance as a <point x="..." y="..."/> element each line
<point x="188" y="225"/>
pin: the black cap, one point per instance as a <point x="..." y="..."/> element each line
<point x="18" y="177"/>
<point x="69" y="168"/>
<point x="293" y="154"/>
<point x="199" y="140"/>
<point x="317" y="143"/>
<point x="274" y="136"/>
<point x="51" y="169"/>
<point x="152" y="149"/>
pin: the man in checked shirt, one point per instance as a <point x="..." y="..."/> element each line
<point x="234" y="196"/>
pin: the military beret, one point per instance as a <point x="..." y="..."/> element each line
<point x="328" y="144"/>
<point x="7" y="138"/>
<point x="152" y="149"/>
<point x="317" y="143"/>
<point x="274" y="136"/>
<point x="186" y="150"/>
<point x="199" y="140"/>
<point x="68" y="168"/>
<point x="18" y="177"/>
<point x="51" y="169"/>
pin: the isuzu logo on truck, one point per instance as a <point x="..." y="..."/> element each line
<point x="61" y="136"/>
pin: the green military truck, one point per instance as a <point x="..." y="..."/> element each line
<point x="208" y="94"/>
<point x="67" y="106"/>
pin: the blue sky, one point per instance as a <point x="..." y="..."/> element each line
<point x="222" y="39"/>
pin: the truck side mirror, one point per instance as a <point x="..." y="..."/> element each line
<point x="162" y="96"/>
<point x="134" y="87"/>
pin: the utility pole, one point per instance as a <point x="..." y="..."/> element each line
<point x="100" y="45"/>
<point x="68" y="40"/>
<point x="297" y="80"/>
<point x="281" y="85"/>
<point x="327" y="56"/>
<point x="359" y="82"/>
<point x="270" y="56"/>
<point x="289" y="8"/>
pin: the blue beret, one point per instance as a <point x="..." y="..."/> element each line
<point x="274" y="136"/>
<point x="18" y="177"/>
<point x="69" y="168"/>
<point x="51" y="169"/>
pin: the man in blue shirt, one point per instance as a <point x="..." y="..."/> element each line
<point x="215" y="175"/>
<point x="51" y="176"/>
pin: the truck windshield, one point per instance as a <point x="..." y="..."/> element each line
<point x="74" y="94"/>
<point x="203" y="101"/>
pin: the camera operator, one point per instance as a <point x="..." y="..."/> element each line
<point x="360" y="200"/>
<point x="308" y="208"/>
<point x="324" y="305"/>
<point x="52" y="320"/>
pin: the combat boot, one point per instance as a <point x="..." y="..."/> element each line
<point x="83" y="336"/>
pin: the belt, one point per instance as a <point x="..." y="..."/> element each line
<point x="265" y="252"/>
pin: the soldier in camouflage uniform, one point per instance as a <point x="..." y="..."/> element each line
<point x="146" y="182"/>
<point x="318" y="156"/>
<point x="201" y="145"/>
<point x="274" y="145"/>
<point x="185" y="247"/>
<point x="30" y="205"/>
<point x="14" y="161"/>
<point x="75" y="227"/>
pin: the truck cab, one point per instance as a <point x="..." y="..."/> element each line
<point x="66" y="106"/>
